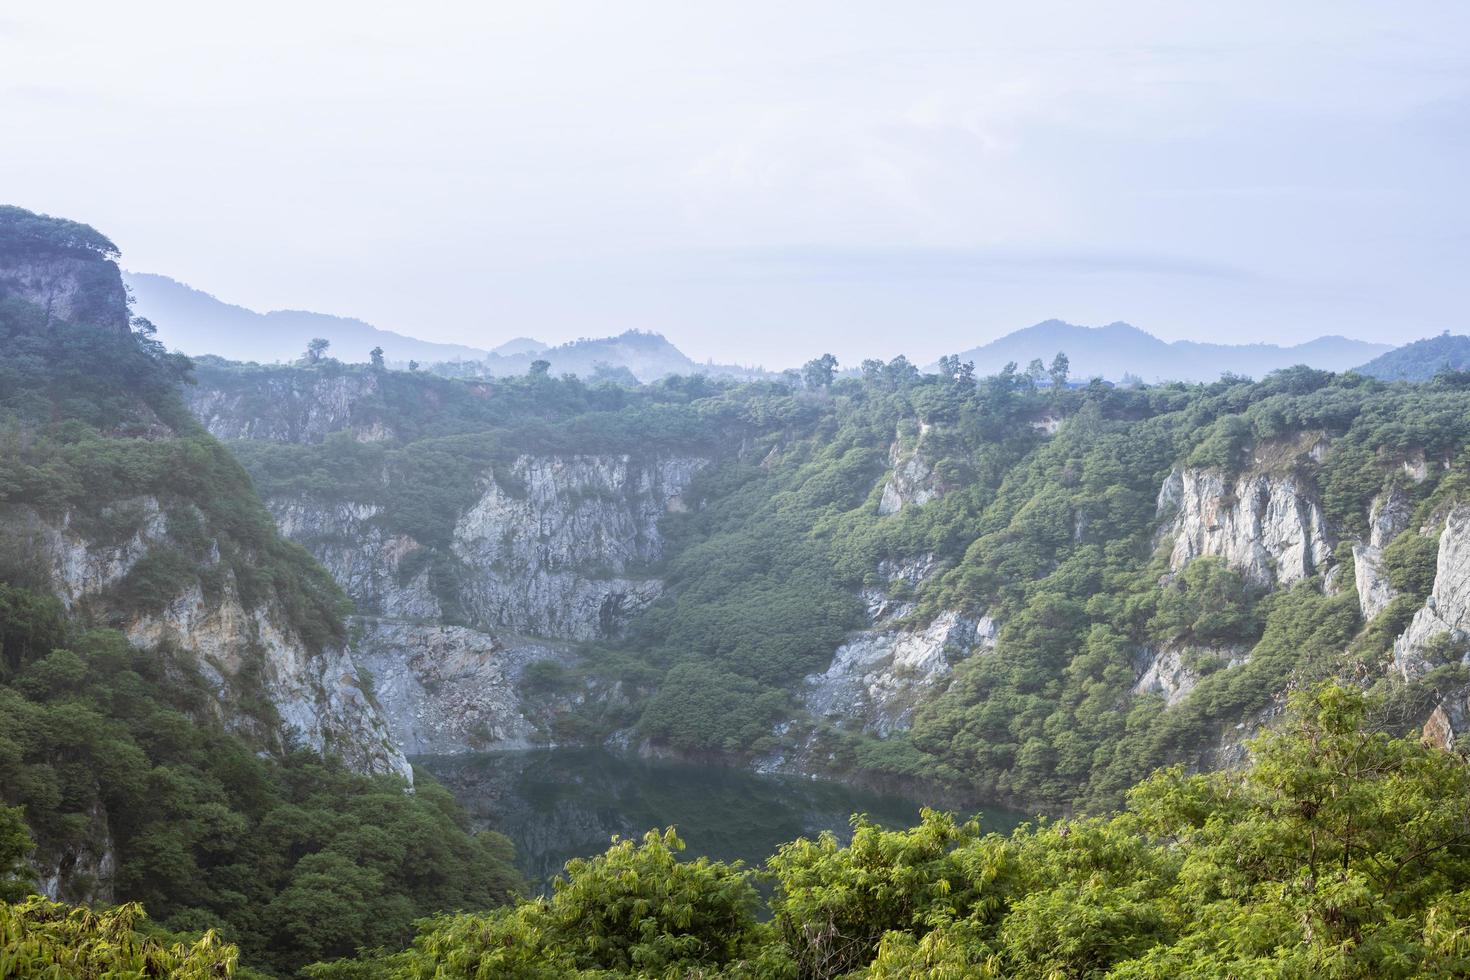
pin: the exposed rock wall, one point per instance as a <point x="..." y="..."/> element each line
<point x="1167" y="670"/>
<point x="556" y="548"/>
<point x="367" y="561"/>
<point x="448" y="689"/>
<point x="1387" y="519"/>
<point x="291" y="406"/>
<point x="1445" y="616"/>
<point x="1441" y="629"/>
<point x="911" y="477"/>
<point x="85" y="290"/>
<point x="1267" y="526"/>
<point x="878" y="677"/>
<point x="318" y="695"/>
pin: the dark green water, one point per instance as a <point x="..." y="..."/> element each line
<point x="557" y="804"/>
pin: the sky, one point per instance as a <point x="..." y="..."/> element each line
<point x="759" y="181"/>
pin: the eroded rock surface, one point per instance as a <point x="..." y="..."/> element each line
<point x="1267" y="526"/>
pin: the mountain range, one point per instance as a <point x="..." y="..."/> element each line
<point x="1120" y="348"/>
<point x="196" y="322"/>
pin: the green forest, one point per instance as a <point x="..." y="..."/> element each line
<point x="186" y="833"/>
<point x="1340" y="851"/>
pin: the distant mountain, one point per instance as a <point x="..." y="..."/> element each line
<point x="195" y="322"/>
<point x="1120" y="348"/>
<point x="632" y="355"/>
<point x="1422" y="359"/>
<point x="519" y="345"/>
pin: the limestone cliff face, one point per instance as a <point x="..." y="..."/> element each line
<point x="880" y="675"/>
<point x="318" y="695"/>
<point x="449" y="689"/>
<point x="1267" y="526"/>
<point x="911" y="477"/>
<point x="1440" y="631"/>
<point x="554" y="546"/>
<point x="367" y="561"/>
<point x="1387" y="519"/>
<point x="550" y="551"/>
<point x="79" y="289"/>
<point x="1169" y="670"/>
<point x="291" y="406"/>
<point x="1445" y="616"/>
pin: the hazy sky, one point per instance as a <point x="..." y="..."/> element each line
<point x="764" y="181"/>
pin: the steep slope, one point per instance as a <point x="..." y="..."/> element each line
<point x="1117" y="349"/>
<point x="117" y="503"/>
<point x="1035" y="595"/>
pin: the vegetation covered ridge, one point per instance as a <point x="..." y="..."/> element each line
<point x="1338" y="851"/>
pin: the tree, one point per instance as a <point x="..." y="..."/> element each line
<point x="316" y="349"/>
<point x="1058" y="370"/>
<point x="413" y="365"/>
<point x="15" y="848"/>
<point x="960" y="372"/>
<point x="818" y="372"/>
<point x="540" y="368"/>
<point x="377" y="358"/>
<point x="1035" y="371"/>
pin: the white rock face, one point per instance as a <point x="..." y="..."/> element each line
<point x="878" y="677"/>
<point x="305" y="407"/>
<point x="1445" y="615"/>
<point x="317" y="695"/>
<point x="1266" y="526"/>
<point x="448" y="689"/>
<point x="911" y="478"/>
<point x="1387" y="519"/>
<point x="1447" y="610"/>
<point x="1375" y="591"/>
<point x="364" y="559"/>
<point x="1163" y="670"/>
<point x="556" y="550"/>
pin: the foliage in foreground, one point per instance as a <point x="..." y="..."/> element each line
<point x="104" y="747"/>
<point x="1340" y="852"/>
<point x="44" y="939"/>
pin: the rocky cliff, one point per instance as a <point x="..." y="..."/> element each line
<point x="552" y="550"/>
<point x="291" y="406"/>
<point x="244" y="649"/>
<point x="1268" y="526"/>
<point x="1439" y="633"/>
<point x="881" y="674"/>
<point x="555" y="546"/>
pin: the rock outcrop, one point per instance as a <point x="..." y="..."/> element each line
<point x="878" y="677"/>
<point x="368" y="562"/>
<point x="555" y="546"/>
<point x="1440" y="630"/>
<point x="291" y="406"/>
<point x="1387" y="519"/>
<point x="448" y="689"/>
<point x="1445" y="616"/>
<point x="1168" y="670"/>
<point x="83" y="289"/>
<point x="1267" y="526"/>
<point x="318" y="695"/>
<point x="911" y="478"/>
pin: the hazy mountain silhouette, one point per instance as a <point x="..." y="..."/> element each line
<point x="1121" y="348"/>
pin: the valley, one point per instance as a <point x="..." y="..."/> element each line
<point x="315" y="656"/>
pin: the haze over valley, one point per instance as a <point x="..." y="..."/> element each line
<point x="694" y="491"/>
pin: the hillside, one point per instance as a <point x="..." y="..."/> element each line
<point x="183" y="721"/>
<point x="1421" y="360"/>
<point x="1036" y="596"/>
<point x="1117" y="349"/>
